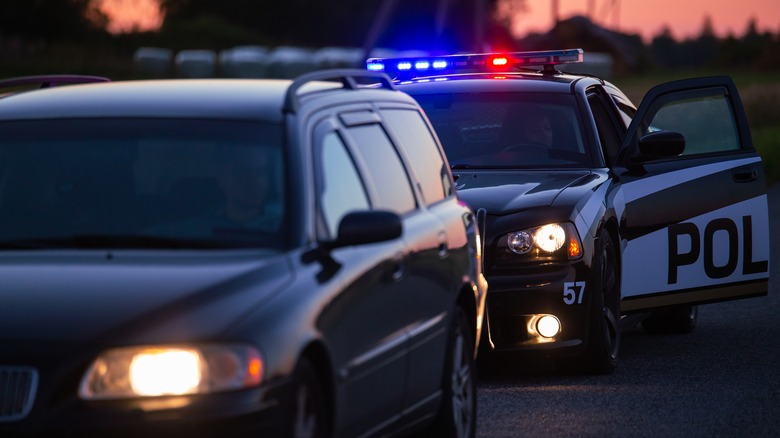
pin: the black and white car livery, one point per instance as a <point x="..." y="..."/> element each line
<point x="596" y="214"/>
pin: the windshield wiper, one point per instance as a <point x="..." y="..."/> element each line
<point x="461" y="166"/>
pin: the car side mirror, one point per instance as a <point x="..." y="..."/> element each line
<point x="370" y="226"/>
<point x="660" y="144"/>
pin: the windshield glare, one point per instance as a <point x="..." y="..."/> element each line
<point x="141" y="183"/>
<point x="508" y="130"/>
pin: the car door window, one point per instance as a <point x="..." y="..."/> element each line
<point x="341" y="189"/>
<point x="426" y="158"/>
<point x="385" y="168"/>
<point x="705" y="119"/>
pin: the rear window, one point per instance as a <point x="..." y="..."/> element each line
<point x="141" y="183"/>
<point x="507" y="130"/>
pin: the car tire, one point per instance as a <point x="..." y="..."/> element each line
<point x="604" y="334"/>
<point x="674" y="320"/>
<point x="310" y="419"/>
<point x="457" y="415"/>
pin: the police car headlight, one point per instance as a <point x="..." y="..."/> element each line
<point x="550" y="238"/>
<point x="149" y="371"/>
<point x="521" y="242"/>
<point x="556" y="240"/>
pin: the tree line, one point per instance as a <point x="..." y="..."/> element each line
<point x="753" y="50"/>
<point x="31" y="26"/>
<point x="427" y="24"/>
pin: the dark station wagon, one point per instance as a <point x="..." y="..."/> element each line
<point x="224" y="257"/>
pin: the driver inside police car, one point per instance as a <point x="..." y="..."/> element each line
<point x="527" y="127"/>
<point x="537" y="129"/>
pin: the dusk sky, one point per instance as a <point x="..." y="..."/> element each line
<point x="128" y="15"/>
<point x="646" y="17"/>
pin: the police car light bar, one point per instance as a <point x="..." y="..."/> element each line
<point x="475" y="62"/>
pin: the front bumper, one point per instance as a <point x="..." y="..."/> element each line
<point x="264" y="410"/>
<point x="517" y="296"/>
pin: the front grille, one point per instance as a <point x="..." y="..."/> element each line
<point x="17" y="392"/>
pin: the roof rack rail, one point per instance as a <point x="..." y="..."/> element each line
<point x="350" y="79"/>
<point x="47" y="81"/>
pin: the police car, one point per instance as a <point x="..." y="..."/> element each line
<point x="596" y="214"/>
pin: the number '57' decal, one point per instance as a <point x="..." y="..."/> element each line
<point x="573" y="292"/>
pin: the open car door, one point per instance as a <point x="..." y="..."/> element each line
<point x="691" y="199"/>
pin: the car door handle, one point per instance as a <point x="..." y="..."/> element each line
<point x="443" y="248"/>
<point x="744" y="174"/>
<point x="398" y="269"/>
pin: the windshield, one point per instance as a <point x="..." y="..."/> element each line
<point x="508" y="130"/>
<point x="141" y="183"/>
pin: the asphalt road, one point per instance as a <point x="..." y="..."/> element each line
<point x="721" y="380"/>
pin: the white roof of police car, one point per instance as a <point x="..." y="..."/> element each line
<point x="255" y="99"/>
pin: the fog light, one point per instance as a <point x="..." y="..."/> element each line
<point x="548" y="326"/>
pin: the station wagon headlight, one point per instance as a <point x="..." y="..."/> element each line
<point x="149" y="371"/>
<point x="556" y="239"/>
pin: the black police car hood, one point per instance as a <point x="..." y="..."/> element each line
<point x="87" y="297"/>
<point x="501" y="192"/>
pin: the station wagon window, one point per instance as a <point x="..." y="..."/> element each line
<point x="423" y="152"/>
<point x="385" y="168"/>
<point x="704" y="118"/>
<point x="141" y="183"/>
<point x="342" y="189"/>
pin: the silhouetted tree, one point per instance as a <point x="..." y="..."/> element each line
<point x="664" y="49"/>
<point x="753" y="43"/>
<point x="50" y="19"/>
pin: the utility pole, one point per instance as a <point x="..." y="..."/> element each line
<point x="381" y="19"/>
<point x="613" y="7"/>
<point x="479" y="25"/>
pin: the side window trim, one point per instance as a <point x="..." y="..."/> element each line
<point x="445" y="175"/>
<point x="625" y="110"/>
<point x="364" y="168"/>
<point x="320" y="134"/>
<point x="615" y="132"/>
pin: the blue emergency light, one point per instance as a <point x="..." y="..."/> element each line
<point x="408" y="68"/>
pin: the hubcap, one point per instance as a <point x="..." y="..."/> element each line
<point x="305" y="417"/>
<point x="462" y="388"/>
<point x="611" y="303"/>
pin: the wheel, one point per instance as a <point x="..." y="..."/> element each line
<point x="310" y="415"/>
<point x="674" y="320"/>
<point x="601" y="354"/>
<point x="458" y="412"/>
